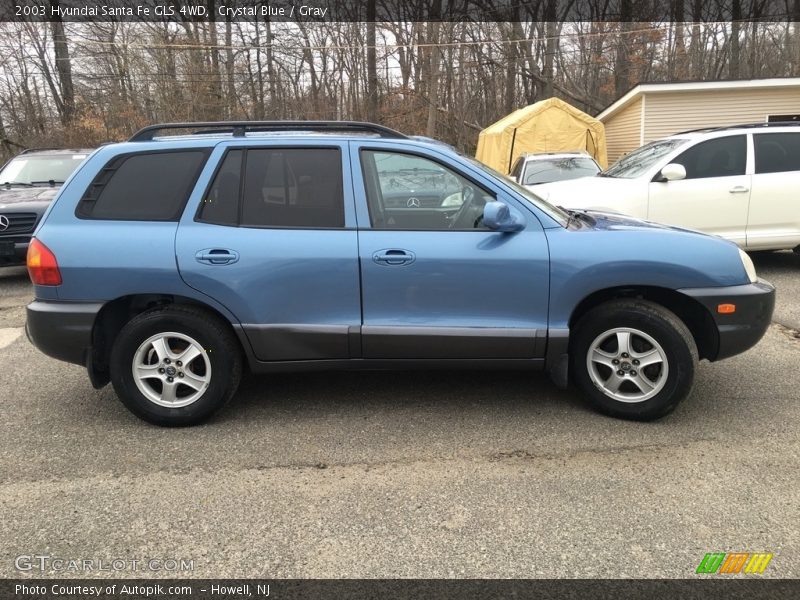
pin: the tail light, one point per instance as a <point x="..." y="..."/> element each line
<point x="42" y="264"/>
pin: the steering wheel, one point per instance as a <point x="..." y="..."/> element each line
<point x="467" y="199"/>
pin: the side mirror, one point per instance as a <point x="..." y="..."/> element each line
<point x="673" y="172"/>
<point x="497" y="216"/>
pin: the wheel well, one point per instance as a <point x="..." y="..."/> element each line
<point x="115" y="314"/>
<point x="693" y="314"/>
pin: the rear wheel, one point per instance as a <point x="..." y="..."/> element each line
<point x="175" y="366"/>
<point x="633" y="359"/>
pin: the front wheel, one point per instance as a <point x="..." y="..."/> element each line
<point x="175" y="366"/>
<point x="633" y="359"/>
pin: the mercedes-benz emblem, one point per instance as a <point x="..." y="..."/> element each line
<point x="413" y="202"/>
<point x="4" y="223"/>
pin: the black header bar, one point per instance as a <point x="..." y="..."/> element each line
<point x="399" y="10"/>
<point x="703" y="587"/>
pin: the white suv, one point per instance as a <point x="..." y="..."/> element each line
<point x="741" y="183"/>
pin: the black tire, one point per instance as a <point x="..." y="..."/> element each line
<point x="661" y="325"/>
<point x="221" y="349"/>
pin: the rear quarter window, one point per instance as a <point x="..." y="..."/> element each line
<point x="151" y="186"/>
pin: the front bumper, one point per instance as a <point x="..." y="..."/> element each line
<point x="13" y="252"/>
<point x="62" y="330"/>
<point x="742" y="329"/>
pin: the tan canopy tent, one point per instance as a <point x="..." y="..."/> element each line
<point x="548" y="126"/>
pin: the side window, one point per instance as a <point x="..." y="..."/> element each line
<point x="221" y="203"/>
<point x="143" y="187"/>
<point x="406" y="191"/>
<point x="293" y="187"/>
<point x="720" y="157"/>
<point x="777" y="152"/>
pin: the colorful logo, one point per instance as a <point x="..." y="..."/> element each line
<point x="734" y="562"/>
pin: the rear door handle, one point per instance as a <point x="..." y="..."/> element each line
<point x="217" y="256"/>
<point x="739" y="189"/>
<point x="393" y="256"/>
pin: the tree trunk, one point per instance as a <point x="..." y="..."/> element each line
<point x="622" y="63"/>
<point x="512" y="51"/>
<point x="231" y="91"/>
<point x="271" y="70"/>
<point x="63" y="68"/>
<point x="216" y="72"/>
<point x="679" y="66"/>
<point x="736" y="15"/>
<point x="795" y="25"/>
<point x="551" y="47"/>
<point x="435" y="59"/>
<point x="696" y="44"/>
<point x="308" y="56"/>
<point x="433" y="84"/>
<point x="372" y="69"/>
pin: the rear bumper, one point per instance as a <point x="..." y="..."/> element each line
<point x="741" y="330"/>
<point x="62" y="330"/>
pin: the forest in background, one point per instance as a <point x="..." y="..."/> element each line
<point x="82" y="84"/>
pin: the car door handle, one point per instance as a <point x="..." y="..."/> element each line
<point x="393" y="256"/>
<point x="739" y="189"/>
<point x="217" y="256"/>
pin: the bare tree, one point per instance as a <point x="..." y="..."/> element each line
<point x="85" y="83"/>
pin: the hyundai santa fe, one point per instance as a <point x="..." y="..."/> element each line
<point x="171" y="262"/>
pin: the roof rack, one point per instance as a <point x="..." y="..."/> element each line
<point x="744" y="126"/>
<point x="39" y="149"/>
<point x="241" y="128"/>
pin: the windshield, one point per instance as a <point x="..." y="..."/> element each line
<point x="558" y="169"/>
<point x="403" y="172"/>
<point x="554" y="212"/>
<point x="639" y="161"/>
<point x="41" y="169"/>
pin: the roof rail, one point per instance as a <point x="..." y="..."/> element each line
<point x="744" y="126"/>
<point x="240" y="128"/>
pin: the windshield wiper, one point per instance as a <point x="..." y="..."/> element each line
<point x="583" y="215"/>
<point x="604" y="174"/>
<point x="50" y="181"/>
<point x="578" y="216"/>
<point x="10" y="183"/>
<point x="569" y="212"/>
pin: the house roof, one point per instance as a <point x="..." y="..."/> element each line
<point x="695" y="86"/>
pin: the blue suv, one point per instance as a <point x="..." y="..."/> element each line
<point x="169" y="262"/>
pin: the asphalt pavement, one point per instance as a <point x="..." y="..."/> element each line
<point x="782" y="269"/>
<point x="436" y="474"/>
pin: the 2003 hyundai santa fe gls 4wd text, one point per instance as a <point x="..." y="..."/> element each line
<point x="168" y="262"/>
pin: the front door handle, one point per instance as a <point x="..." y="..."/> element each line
<point x="393" y="256"/>
<point x="739" y="189"/>
<point x="217" y="256"/>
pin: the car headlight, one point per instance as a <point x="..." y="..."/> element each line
<point x="749" y="267"/>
